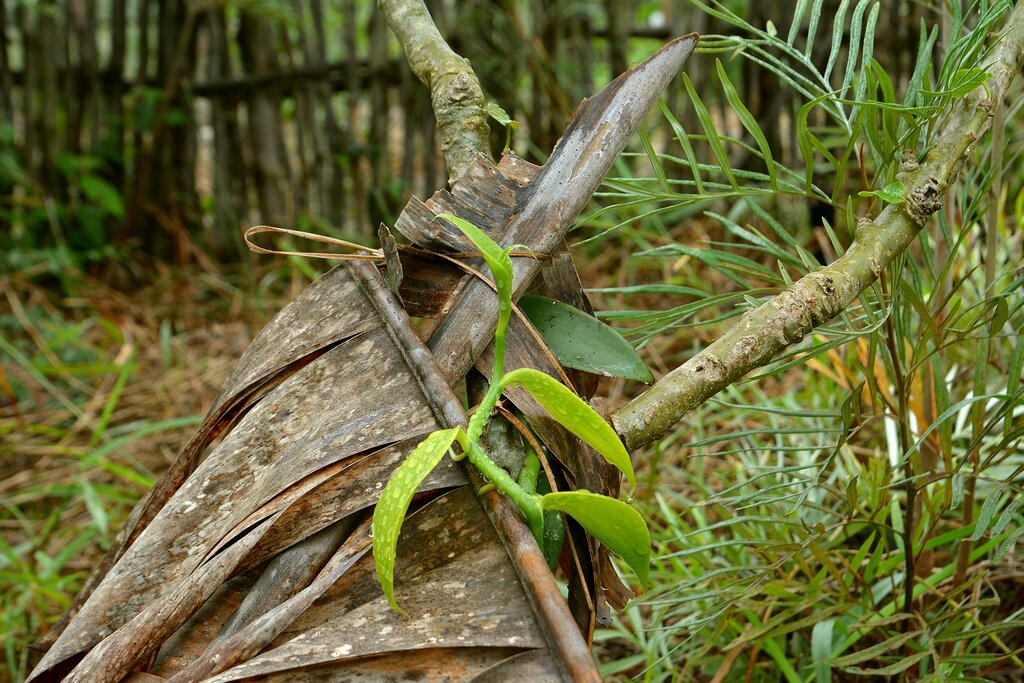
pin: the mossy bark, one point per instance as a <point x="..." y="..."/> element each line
<point x="459" y="105"/>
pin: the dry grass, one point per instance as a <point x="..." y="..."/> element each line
<point x="99" y="388"/>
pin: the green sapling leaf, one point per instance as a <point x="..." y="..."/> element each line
<point x="574" y="414"/>
<point x="500" y="115"/>
<point x="613" y="522"/>
<point x="553" y="537"/>
<point x="394" y="502"/>
<point x="497" y="259"/>
<point x="890" y="194"/>
<point x="501" y="268"/>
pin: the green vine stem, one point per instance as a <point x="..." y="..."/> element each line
<point x="528" y="503"/>
<point x="530" y="471"/>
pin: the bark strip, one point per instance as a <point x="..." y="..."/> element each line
<point x="820" y="296"/>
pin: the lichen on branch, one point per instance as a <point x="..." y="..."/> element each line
<point x="458" y="101"/>
<point x="818" y="297"/>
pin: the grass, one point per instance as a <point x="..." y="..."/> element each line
<point x="852" y="511"/>
<point x="98" y="391"/>
<point x="780" y="505"/>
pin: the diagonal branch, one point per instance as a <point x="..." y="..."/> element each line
<point x="458" y="100"/>
<point x="820" y="296"/>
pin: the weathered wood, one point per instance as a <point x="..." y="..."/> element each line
<point x="428" y="664"/>
<point x="264" y="118"/>
<point x="349" y="489"/>
<point x="296" y="335"/>
<point x="314" y="467"/>
<point x="117" y="653"/>
<point x="286" y="572"/>
<point x="433" y="571"/>
<point x="249" y="632"/>
<point x="487" y="196"/>
<point x="328" y="418"/>
<point x="316" y="417"/>
<point x="532" y="665"/>
<point x="591" y="142"/>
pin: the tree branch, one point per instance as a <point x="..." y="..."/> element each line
<point x="820" y="296"/>
<point x="459" y="104"/>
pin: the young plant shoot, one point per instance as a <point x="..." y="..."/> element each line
<point x="613" y="522"/>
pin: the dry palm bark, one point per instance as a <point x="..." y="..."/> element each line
<point x="249" y="559"/>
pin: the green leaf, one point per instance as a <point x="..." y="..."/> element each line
<point x="500" y="115"/>
<point x="574" y="414"/>
<point x="497" y="259"/>
<point x="553" y="538"/>
<point x="613" y="522"/>
<point x="94" y="505"/>
<point x="583" y="342"/>
<point x="1007" y="516"/>
<point x="988" y="509"/>
<point x="872" y="653"/>
<point x="749" y="121"/>
<point x="891" y="670"/>
<point x="394" y="501"/>
<point x="890" y="194"/>
<point x="1010" y="541"/>
<point x="713" y="138"/>
<point x="963" y="636"/>
<point x="962" y="82"/>
<point x="501" y="268"/>
<point x="1000" y="314"/>
<point x="684" y="141"/>
<point x="99" y="191"/>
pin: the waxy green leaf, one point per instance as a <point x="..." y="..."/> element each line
<point x="497" y="113"/>
<point x="890" y="194"/>
<point x="583" y="342"/>
<point x="574" y="414"/>
<point x="501" y="268"/>
<point x="613" y="522"/>
<point x="394" y="502"/>
<point x="496" y="257"/>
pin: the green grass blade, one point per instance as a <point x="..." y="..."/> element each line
<point x="749" y="123"/>
<point x="821" y="650"/>
<point x="684" y="141"/>
<point x="713" y="138"/>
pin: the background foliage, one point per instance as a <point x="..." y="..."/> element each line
<point x="852" y="510"/>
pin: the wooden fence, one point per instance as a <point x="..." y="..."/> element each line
<point x="162" y="124"/>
